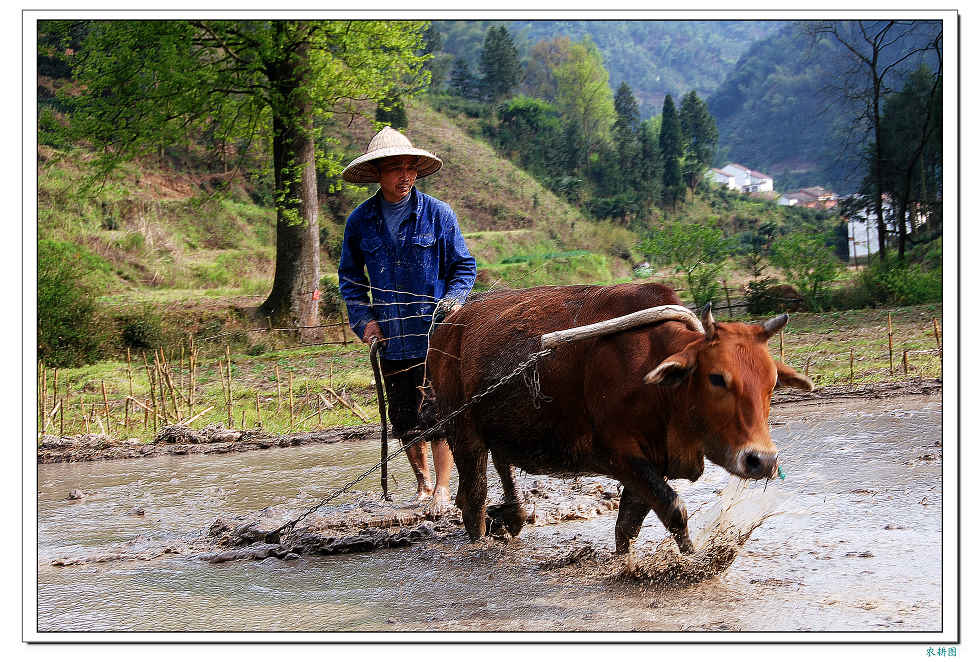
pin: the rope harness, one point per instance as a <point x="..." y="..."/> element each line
<point x="533" y="384"/>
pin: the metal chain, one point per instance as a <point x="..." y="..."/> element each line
<point x="519" y="370"/>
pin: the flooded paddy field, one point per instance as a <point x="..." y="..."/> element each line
<point x="855" y="546"/>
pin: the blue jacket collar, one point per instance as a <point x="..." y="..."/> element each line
<point x="376" y="206"/>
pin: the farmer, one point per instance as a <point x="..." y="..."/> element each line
<point x="412" y="249"/>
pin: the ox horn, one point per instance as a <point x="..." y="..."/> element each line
<point x="708" y="321"/>
<point x="772" y="326"/>
<point x="616" y="324"/>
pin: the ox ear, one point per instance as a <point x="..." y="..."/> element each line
<point x="788" y="378"/>
<point x="672" y="370"/>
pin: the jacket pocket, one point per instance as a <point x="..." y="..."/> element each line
<point x="424" y="248"/>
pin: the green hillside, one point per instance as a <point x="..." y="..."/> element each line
<point x="163" y="232"/>
<point x="655" y="58"/>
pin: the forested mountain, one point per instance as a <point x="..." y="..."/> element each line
<point x="654" y="58"/>
<point x="774" y="92"/>
<point x="797" y="107"/>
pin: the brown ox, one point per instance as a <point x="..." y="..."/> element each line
<point x="642" y="405"/>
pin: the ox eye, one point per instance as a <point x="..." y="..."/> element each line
<point x="716" y="380"/>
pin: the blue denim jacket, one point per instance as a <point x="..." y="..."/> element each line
<point x="405" y="277"/>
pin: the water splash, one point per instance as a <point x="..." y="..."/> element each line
<point x="719" y="532"/>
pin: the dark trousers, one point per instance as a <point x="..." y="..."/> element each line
<point x="403" y="379"/>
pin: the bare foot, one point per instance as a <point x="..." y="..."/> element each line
<point x="440" y="501"/>
<point x="424" y="494"/>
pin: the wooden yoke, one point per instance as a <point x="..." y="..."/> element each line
<point x="617" y="324"/>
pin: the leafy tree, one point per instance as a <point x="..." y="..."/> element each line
<point x="499" y="64"/>
<point x="672" y="150"/>
<point x="809" y="264"/>
<point x="700" y="138"/>
<point x="391" y="112"/>
<point x="70" y="328"/>
<point x="697" y="250"/>
<point x="530" y="129"/>
<point x="874" y="52"/>
<point x="143" y="85"/>
<point x="583" y="94"/>
<point x="542" y="62"/>
<point x="911" y="137"/>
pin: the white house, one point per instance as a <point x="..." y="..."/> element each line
<point x="719" y="177"/>
<point x="739" y="178"/>
<point x="862" y="227"/>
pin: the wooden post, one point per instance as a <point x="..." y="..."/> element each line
<point x="258" y="412"/>
<point x="105" y="400"/>
<point x="158" y="378"/>
<point x="290" y="400"/>
<point x="806" y="368"/>
<point x="228" y="357"/>
<point x="852" y="365"/>
<point x="343" y="327"/>
<point x="67" y="399"/>
<point x="43" y="395"/>
<point x="243" y="418"/>
<point x="153" y="392"/>
<point x="192" y="360"/>
<point x="891" y="362"/>
<point x="782" y="356"/>
<point x="180" y="381"/>
<point x="935" y="331"/>
<point x="62" y="415"/>
<point x="278" y="390"/>
<point x="54" y="394"/>
<point x="728" y="299"/>
<point x="905" y="362"/>
<point x="129" y="372"/>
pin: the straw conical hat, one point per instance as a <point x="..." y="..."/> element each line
<point x="388" y="142"/>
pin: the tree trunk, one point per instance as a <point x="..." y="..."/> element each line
<point x="293" y="301"/>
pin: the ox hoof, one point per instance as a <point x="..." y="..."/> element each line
<point x="684" y="543"/>
<point x="509" y="516"/>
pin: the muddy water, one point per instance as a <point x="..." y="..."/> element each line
<point x="857" y="548"/>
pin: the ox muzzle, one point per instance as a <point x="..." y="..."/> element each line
<point x="755" y="464"/>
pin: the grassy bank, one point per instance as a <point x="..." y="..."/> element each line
<point x="302" y="388"/>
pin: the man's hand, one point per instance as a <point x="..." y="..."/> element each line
<point x="372" y="330"/>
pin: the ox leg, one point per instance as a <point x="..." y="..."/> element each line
<point x="511" y="512"/>
<point x="632" y="512"/>
<point x="650" y="486"/>
<point x="471" y="463"/>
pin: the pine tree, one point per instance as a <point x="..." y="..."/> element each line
<point x="499" y="64"/>
<point x="626" y="137"/>
<point x="700" y="138"/>
<point x="627" y="110"/>
<point x="671" y="149"/>
<point x="647" y="177"/>
<point x="461" y="81"/>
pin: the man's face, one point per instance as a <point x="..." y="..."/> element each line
<point x="398" y="174"/>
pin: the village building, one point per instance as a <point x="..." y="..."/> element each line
<point x="813" y="197"/>
<point x="739" y="178"/>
